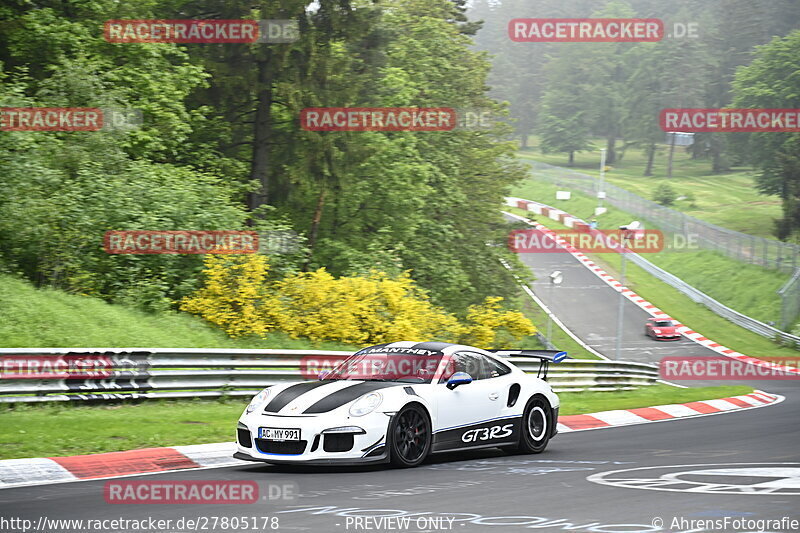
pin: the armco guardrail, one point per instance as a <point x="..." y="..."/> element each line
<point x="696" y="295"/>
<point x="106" y="374"/>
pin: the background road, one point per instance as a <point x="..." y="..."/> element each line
<point x="487" y="484"/>
<point x="589" y="307"/>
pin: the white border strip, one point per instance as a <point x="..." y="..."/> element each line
<point x="778" y="399"/>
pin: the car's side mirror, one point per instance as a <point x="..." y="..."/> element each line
<point x="459" y="378"/>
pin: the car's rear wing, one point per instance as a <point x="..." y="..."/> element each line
<point x="545" y="356"/>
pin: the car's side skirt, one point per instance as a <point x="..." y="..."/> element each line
<point x="487" y="433"/>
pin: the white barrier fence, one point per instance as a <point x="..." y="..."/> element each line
<point x="106" y="374"/>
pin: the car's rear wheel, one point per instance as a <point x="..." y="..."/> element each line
<point x="410" y="436"/>
<point x="536" y="426"/>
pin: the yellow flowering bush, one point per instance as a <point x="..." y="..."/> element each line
<point x="235" y="296"/>
<point x="490" y="326"/>
<point x="360" y="310"/>
<point x="239" y="297"/>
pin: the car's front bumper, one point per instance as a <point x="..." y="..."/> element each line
<point x="316" y="446"/>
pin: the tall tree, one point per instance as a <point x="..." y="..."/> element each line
<point x="771" y="81"/>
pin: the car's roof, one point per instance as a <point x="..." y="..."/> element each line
<point x="425" y="349"/>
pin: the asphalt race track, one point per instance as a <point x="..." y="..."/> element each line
<point x="509" y="493"/>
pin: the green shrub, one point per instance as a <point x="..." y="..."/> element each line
<point x="664" y="195"/>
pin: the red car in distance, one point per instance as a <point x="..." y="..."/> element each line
<point x="661" y="329"/>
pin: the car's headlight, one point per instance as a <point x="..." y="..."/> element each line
<point x="257" y="400"/>
<point x="657" y="331"/>
<point x="366" y="404"/>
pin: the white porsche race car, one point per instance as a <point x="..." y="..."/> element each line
<point x="401" y="401"/>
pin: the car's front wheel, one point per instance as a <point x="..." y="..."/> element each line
<point x="410" y="436"/>
<point x="536" y="426"/>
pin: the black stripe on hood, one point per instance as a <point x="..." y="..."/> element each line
<point x="288" y="394"/>
<point x="347" y="395"/>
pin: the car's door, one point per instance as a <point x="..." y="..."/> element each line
<point x="468" y="414"/>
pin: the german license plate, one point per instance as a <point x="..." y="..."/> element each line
<point x="278" y="434"/>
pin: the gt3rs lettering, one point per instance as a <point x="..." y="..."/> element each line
<point x="494" y="432"/>
<point x="491" y="433"/>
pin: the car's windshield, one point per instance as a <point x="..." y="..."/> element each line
<point x="663" y="324"/>
<point x="407" y="368"/>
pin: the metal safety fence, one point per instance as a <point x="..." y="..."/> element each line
<point x="111" y="374"/>
<point x="767" y="253"/>
<point x="790" y="301"/>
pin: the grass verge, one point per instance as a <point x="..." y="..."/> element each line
<point x="727" y="199"/>
<point x="28" y="430"/>
<point x="39" y="318"/>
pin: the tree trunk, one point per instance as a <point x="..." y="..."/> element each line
<point x="523" y="141"/>
<point x="717" y="166"/>
<point x="671" y="155"/>
<point x="571" y="159"/>
<point x="718" y="161"/>
<point x="611" y="153"/>
<point x="312" y="235"/>
<point x="262" y="131"/>
<point x="651" y="155"/>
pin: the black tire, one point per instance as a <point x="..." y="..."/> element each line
<point x="410" y="436"/>
<point x="536" y="426"/>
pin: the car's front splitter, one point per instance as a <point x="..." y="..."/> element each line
<point x="276" y="460"/>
